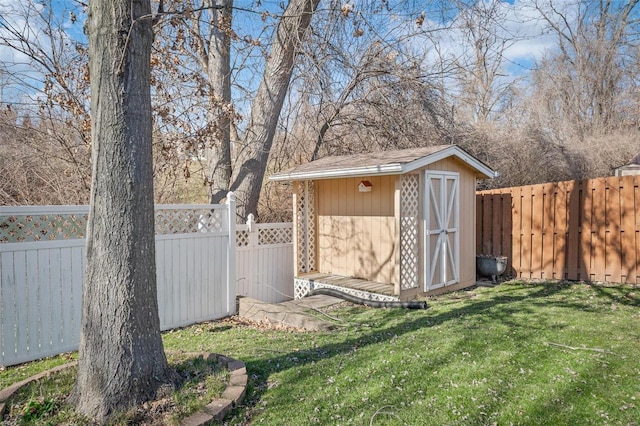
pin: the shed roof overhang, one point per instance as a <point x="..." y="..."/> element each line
<point x="382" y="163"/>
<point x="634" y="163"/>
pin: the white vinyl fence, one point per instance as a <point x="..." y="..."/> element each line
<point x="264" y="262"/>
<point x="42" y="259"/>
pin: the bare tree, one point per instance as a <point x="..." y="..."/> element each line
<point x="253" y="154"/>
<point x="33" y="169"/>
<point x="196" y="117"/>
<point x="586" y="76"/>
<point x="482" y="79"/>
<point x="365" y="76"/>
<point x="363" y="82"/>
<point x="49" y="79"/>
<point x="121" y="356"/>
<point x="203" y="34"/>
<point x="218" y="69"/>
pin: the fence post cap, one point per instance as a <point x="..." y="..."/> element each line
<point x="231" y="197"/>
<point x="250" y="222"/>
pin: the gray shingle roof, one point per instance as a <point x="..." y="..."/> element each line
<point x="379" y="163"/>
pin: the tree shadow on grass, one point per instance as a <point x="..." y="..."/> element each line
<point x="495" y="309"/>
<point x="623" y="295"/>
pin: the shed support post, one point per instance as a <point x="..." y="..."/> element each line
<point x="306" y="225"/>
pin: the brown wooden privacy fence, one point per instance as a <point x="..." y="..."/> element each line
<point x="577" y="230"/>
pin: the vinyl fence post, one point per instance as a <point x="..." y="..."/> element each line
<point x="231" y="254"/>
<point x="252" y="234"/>
<point x="250" y="222"/>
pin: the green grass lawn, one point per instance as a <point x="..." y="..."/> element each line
<point x="536" y="354"/>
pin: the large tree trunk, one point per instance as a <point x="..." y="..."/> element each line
<point x="218" y="71"/>
<point x="121" y="360"/>
<point x="254" y="153"/>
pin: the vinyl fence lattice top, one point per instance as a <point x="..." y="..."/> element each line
<point x="188" y="220"/>
<point x="32" y="224"/>
<point x="16" y="228"/>
<point x="268" y="236"/>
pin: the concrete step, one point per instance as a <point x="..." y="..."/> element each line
<point x="296" y="313"/>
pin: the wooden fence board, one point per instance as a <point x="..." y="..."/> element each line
<point x="627" y="232"/>
<point x="636" y="191"/>
<point x="507" y="228"/>
<point x="496" y="224"/>
<point x="598" y="231"/>
<point x="524" y="240"/>
<point x="479" y="239"/>
<point x="547" y="248"/>
<point x="487" y="209"/>
<point x="573" y="233"/>
<point x="584" y="247"/>
<point x="536" y="221"/>
<point x="560" y="232"/>
<point x="576" y="230"/>
<point x="613" y="248"/>
<point x="517" y="231"/>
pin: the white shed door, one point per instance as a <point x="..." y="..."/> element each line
<point x="441" y="229"/>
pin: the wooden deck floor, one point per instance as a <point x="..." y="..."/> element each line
<point x="351" y="283"/>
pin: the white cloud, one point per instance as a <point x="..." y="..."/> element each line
<point x="519" y="24"/>
<point x="23" y="26"/>
<point x="526" y="24"/>
<point x="18" y="76"/>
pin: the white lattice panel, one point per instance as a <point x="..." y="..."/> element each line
<point x="187" y="221"/>
<point x="242" y="238"/>
<point x="302" y="287"/>
<point x="306" y="228"/>
<point x="270" y="236"/>
<point x="42" y="227"/>
<point x="409" y="231"/>
<point x="311" y="227"/>
<point x="301" y="231"/>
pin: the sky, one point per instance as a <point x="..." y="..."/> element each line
<point x="520" y="22"/>
<point x="19" y="83"/>
<point x="524" y="30"/>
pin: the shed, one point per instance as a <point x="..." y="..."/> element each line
<point x="631" y="168"/>
<point x="392" y="225"/>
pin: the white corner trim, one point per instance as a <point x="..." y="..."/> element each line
<point x="386" y="169"/>
<point x="454" y="151"/>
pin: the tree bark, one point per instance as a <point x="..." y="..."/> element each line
<point x="218" y="71"/>
<point x="121" y="357"/>
<point x="254" y="153"/>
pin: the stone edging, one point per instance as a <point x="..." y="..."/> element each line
<point x="215" y="411"/>
<point x="7" y="393"/>
<point x="233" y="395"/>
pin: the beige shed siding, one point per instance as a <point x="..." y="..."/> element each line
<point x="467" y="216"/>
<point x="357" y="233"/>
